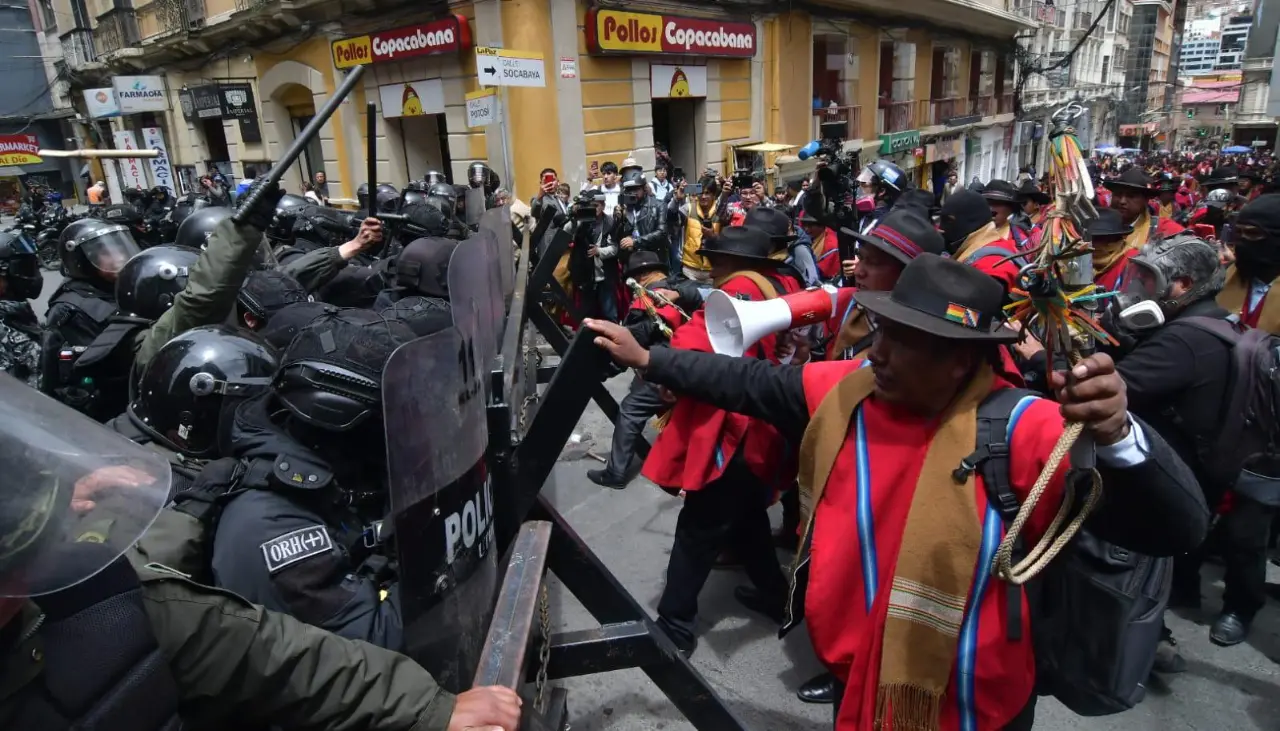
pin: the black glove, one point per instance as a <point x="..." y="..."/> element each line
<point x="257" y="206"/>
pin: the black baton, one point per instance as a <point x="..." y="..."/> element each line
<point x="371" y="152"/>
<point x="301" y="141"/>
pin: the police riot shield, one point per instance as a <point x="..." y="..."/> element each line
<point x="76" y="495"/>
<point x="474" y="204"/>
<point x="441" y="503"/>
<point x="474" y="290"/>
<point x="498" y="222"/>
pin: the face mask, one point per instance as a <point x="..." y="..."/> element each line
<point x="1260" y="259"/>
<point x="630" y="200"/>
<point x="1139" y="316"/>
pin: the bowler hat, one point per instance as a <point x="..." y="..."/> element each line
<point x="772" y="221"/>
<point x="1224" y="175"/>
<point x="904" y="234"/>
<point x="945" y="298"/>
<point x="807" y="217"/>
<point x="632" y="177"/>
<point x="1166" y="183"/>
<point x="1001" y="191"/>
<point x="1029" y="191"/>
<point x="1132" y="179"/>
<point x="742" y="242"/>
<point x="643" y="261"/>
<point x="1108" y="223"/>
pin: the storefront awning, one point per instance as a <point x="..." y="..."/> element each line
<point x="10" y="171"/>
<point x="766" y="147"/>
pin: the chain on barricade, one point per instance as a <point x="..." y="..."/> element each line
<point x="544" y="652"/>
<point x="1055" y="302"/>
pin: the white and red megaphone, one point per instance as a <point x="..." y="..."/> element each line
<point x="734" y="325"/>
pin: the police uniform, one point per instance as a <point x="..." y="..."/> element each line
<point x="20" y="342"/>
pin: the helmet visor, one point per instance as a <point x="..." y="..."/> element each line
<point x="108" y="248"/>
<point x="1142" y="281"/>
<point x="69" y="482"/>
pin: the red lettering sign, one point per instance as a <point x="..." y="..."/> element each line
<point x="446" y="35"/>
<point x="617" y="31"/>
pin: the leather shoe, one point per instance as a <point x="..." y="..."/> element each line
<point x="819" y="689"/>
<point x="1229" y="629"/>
<point x="686" y="645"/>
<point x="605" y="478"/>
<point x="751" y="598"/>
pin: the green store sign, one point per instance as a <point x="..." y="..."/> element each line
<point x="899" y="142"/>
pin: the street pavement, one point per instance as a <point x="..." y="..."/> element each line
<point x="1227" y="689"/>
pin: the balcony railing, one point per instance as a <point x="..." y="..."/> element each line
<point x="940" y="110"/>
<point x="169" y="17"/>
<point x="77" y="49"/>
<point x="243" y="5"/>
<point x="1005" y="104"/>
<point x="896" y="117"/>
<point x="850" y="116"/>
<point x="117" y="29"/>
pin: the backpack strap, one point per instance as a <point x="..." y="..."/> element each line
<point x="991" y="456"/>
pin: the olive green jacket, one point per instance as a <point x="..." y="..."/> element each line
<point x="316" y="268"/>
<point x="236" y="664"/>
<point x="212" y="286"/>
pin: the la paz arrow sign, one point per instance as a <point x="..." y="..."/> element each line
<point x="501" y="67"/>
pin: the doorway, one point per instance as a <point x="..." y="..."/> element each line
<point x="678" y="127"/>
<point x="425" y="142"/>
<point x="215" y="140"/>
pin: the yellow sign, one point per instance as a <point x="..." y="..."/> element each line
<point x="506" y="53"/>
<point x="481" y="94"/>
<point x="636" y="32"/>
<point x="19" y="150"/>
<point x="350" y="52"/>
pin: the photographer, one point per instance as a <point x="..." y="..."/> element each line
<point x="643" y="219"/>
<point x="593" y="261"/>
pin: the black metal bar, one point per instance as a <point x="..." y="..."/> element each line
<point x="503" y="658"/>
<point x="511" y="352"/>
<point x="371" y="153"/>
<point x="545" y="373"/>
<point x="601" y="650"/>
<point x="304" y="138"/>
<point x="599" y="591"/>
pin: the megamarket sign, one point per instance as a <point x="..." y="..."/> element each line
<point x="615" y="31"/>
<point x="140" y="94"/>
<point x="899" y="142"/>
<point x="446" y="35"/>
<point x="19" y="150"/>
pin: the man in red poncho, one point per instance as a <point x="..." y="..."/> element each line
<point x="729" y="466"/>
<point x="897" y="589"/>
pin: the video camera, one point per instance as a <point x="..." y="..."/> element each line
<point x="584" y="206"/>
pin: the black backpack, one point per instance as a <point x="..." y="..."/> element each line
<point x="1245" y="453"/>
<point x="1097" y="609"/>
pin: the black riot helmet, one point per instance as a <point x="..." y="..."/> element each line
<point x="186" y="206"/>
<point x="386" y="198"/>
<point x="280" y="231"/>
<point x="447" y="193"/>
<point x="95" y="250"/>
<point x="195" y="229"/>
<point x="19" y="268"/>
<point x="423" y="267"/>
<point x="134" y="197"/>
<point x="412" y="196"/>
<point x="362" y="196"/>
<point x="150" y="281"/>
<point x="434" y="176"/>
<point x="479" y="175"/>
<point x="195" y="380"/>
<point x="330" y="376"/>
<point x="264" y="293"/>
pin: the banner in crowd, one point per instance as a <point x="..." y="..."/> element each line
<point x="161" y="170"/>
<point x="132" y="174"/>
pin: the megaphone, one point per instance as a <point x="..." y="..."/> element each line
<point x="734" y="325"/>
<point x="809" y="150"/>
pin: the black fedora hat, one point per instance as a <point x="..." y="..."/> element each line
<point x="904" y="234"/>
<point x="1131" y="179"/>
<point x="644" y="261"/>
<point x="1223" y="175"/>
<point x="743" y="242"/>
<point x="1108" y="223"/>
<point x="807" y="217"/>
<point x="943" y="297"/>
<point x="1000" y="191"/>
<point x="1029" y="191"/>
<point x="1166" y="183"/>
<point x="771" y="221"/>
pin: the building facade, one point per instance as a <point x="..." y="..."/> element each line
<point x="1148" y="98"/>
<point x="1235" y="34"/>
<point x="1259" y="109"/>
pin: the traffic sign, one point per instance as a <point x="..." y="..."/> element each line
<point x="501" y="67"/>
<point x="482" y="108"/>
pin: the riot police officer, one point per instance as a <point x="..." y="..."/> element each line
<point x="20" y="281"/>
<point x="444" y="198"/>
<point x="198" y="226"/>
<point x="385" y="199"/>
<point x="302" y="534"/>
<point x="280" y="232"/>
<point x="419" y="291"/>
<point x="164" y="649"/>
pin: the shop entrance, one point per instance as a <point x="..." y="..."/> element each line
<point x="679" y="127"/>
<point x="215" y="141"/>
<point x="425" y="142"/>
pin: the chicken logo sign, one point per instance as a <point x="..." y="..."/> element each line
<point x="679" y="84"/>
<point x="410" y="104"/>
<point x="19" y="150"/>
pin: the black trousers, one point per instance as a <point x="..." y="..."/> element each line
<point x="1241" y="538"/>
<point x="642" y="403"/>
<point x="1021" y="722"/>
<point x="728" y="512"/>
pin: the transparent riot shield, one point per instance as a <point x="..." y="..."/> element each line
<point x="474" y="291"/>
<point x="441" y="500"/>
<point x="474" y="204"/>
<point x="498" y="222"/>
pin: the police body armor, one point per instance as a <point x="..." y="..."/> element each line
<point x="102" y="369"/>
<point x="126" y="685"/>
<point x="59" y="354"/>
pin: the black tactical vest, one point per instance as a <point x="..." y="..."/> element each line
<point x="101" y="668"/>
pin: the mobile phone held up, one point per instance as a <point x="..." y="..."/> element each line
<point x="693" y="189"/>
<point x="548" y="178"/>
